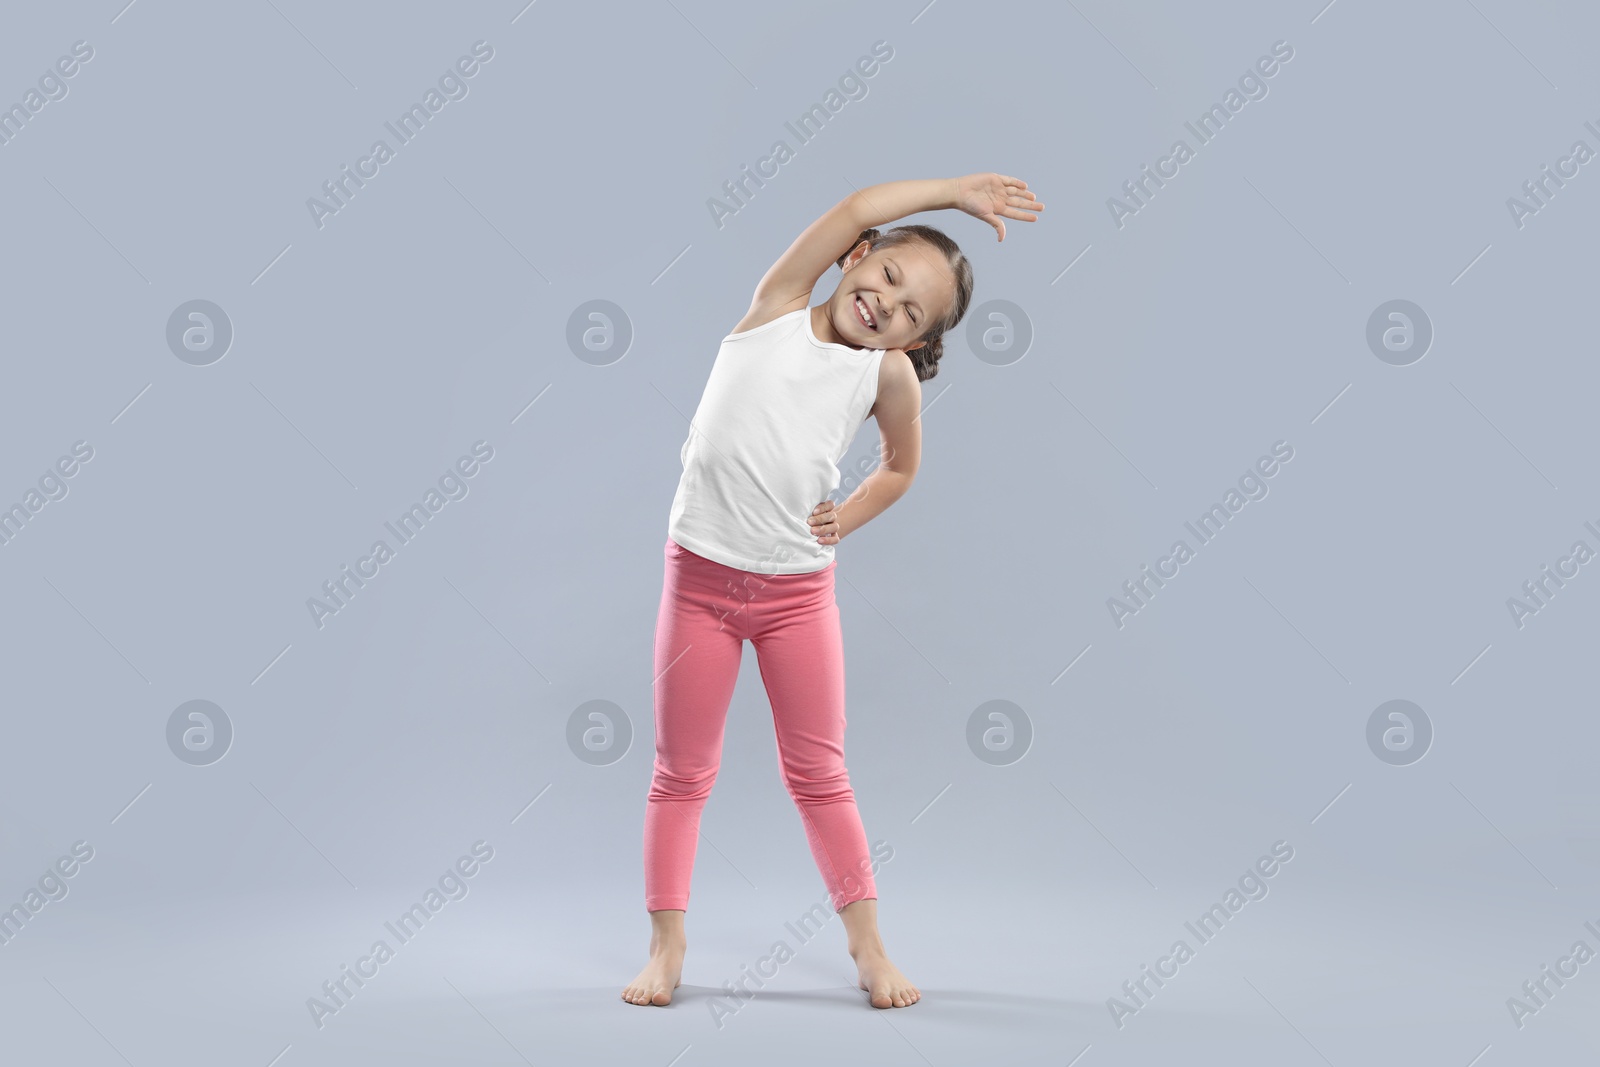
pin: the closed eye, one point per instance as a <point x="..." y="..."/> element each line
<point x="890" y="280"/>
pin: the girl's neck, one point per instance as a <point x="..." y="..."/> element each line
<point x="822" y="326"/>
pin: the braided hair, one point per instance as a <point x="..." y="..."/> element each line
<point x="926" y="359"/>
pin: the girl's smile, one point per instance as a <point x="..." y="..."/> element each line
<point x="866" y="316"/>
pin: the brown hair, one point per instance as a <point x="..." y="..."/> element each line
<point x="926" y="358"/>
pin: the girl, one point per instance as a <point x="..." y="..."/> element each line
<point x="749" y="557"/>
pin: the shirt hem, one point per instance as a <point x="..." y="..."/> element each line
<point x="716" y="555"/>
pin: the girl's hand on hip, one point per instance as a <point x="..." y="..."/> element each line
<point x="991" y="197"/>
<point x="824" y="520"/>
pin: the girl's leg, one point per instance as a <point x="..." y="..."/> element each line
<point x="795" y="629"/>
<point x="800" y="647"/>
<point x="697" y="655"/>
<point x="696" y="665"/>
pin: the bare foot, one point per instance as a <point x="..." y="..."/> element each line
<point x="886" y="987"/>
<point x="660" y="977"/>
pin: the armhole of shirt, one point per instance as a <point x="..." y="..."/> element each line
<point x="877" y="377"/>
<point x="765" y="325"/>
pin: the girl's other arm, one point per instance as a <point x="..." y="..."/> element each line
<point x="788" y="283"/>
<point x="898" y="411"/>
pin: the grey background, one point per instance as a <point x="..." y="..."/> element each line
<point x="369" y="354"/>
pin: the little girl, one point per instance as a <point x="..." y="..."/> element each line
<point x="748" y="556"/>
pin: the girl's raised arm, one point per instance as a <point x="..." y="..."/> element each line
<point x="788" y="283"/>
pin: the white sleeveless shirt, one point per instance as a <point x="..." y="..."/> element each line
<point x="778" y="412"/>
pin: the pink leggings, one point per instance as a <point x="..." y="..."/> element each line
<point x="708" y="610"/>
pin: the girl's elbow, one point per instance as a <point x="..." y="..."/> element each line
<point x="904" y="476"/>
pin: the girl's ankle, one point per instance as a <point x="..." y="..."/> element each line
<point x="659" y="945"/>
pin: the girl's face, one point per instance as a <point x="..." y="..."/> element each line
<point x="887" y="298"/>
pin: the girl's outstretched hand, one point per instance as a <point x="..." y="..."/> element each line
<point x="992" y="197"/>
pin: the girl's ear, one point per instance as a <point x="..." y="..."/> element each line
<point x="857" y="254"/>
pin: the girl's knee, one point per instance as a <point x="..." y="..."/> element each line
<point x="810" y="789"/>
<point x="682" y="786"/>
